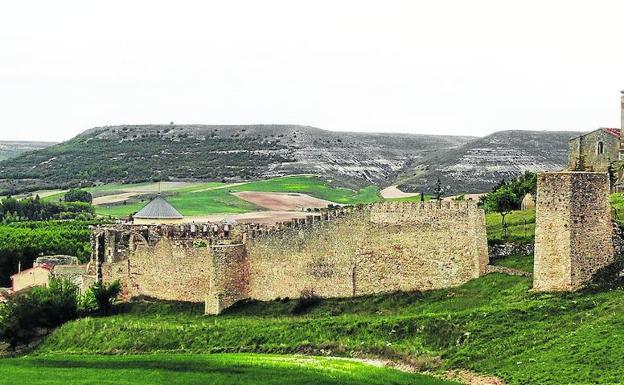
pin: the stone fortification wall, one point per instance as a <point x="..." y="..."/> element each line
<point x="573" y="230"/>
<point x="379" y="248"/>
<point x="344" y="251"/>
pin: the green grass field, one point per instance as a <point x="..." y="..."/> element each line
<point x="200" y="369"/>
<point x="521" y="226"/>
<point x="520" y="262"/>
<point x="314" y="186"/>
<point x="492" y="325"/>
<point x="199" y="199"/>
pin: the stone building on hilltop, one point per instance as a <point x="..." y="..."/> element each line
<point x="601" y="150"/>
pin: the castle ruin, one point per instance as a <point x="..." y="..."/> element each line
<point x="340" y="252"/>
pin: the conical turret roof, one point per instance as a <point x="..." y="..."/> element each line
<point x="158" y="208"/>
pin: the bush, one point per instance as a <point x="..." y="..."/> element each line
<point x="77" y="195"/>
<point x="307" y="301"/>
<point x="609" y="277"/>
<point x="43" y="308"/>
<point x="105" y="295"/>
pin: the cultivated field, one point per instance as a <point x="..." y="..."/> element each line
<point x="206" y="199"/>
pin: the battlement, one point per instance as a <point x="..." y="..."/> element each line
<point x="335" y="252"/>
<point x="424" y="213"/>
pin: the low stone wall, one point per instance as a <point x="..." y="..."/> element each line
<point x="502" y="250"/>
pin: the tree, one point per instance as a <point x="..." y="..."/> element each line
<point x="105" y="295"/>
<point x="77" y="195"/>
<point x="503" y="202"/>
<point x="43" y="307"/>
<point x="438" y="190"/>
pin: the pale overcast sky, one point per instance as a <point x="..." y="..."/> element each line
<point x="447" y="67"/>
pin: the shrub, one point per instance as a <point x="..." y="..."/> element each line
<point x="307" y="301"/>
<point x="77" y="195"/>
<point x="105" y="295"/>
<point x="43" y="308"/>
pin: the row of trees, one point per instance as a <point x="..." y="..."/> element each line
<point x="36" y="209"/>
<point x="22" y="242"/>
<point x="25" y="316"/>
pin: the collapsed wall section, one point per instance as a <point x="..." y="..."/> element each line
<point x="573" y="229"/>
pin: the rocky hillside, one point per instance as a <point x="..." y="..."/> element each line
<point x="162" y="152"/>
<point x="10" y="149"/>
<point x="478" y="165"/>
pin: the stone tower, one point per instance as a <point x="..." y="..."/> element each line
<point x="573" y="229"/>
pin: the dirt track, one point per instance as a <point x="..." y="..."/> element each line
<point x="394" y="192"/>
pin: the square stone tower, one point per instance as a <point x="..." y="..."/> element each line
<point x="573" y="229"/>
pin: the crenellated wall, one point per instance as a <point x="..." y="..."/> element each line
<point x="380" y="248"/>
<point x="341" y="252"/>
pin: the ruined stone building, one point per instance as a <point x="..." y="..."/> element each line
<point x="601" y="150"/>
<point x="346" y="251"/>
<point x="46" y="268"/>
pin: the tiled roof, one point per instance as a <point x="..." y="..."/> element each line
<point x="158" y="209"/>
<point x="42" y="266"/>
<point x="613" y="131"/>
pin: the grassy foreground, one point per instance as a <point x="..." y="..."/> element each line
<point x="214" y="369"/>
<point x="492" y="325"/>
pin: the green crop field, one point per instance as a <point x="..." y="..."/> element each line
<point x="315" y="187"/>
<point x="493" y="325"/>
<point x="214" y="369"/>
<point x="199" y="199"/>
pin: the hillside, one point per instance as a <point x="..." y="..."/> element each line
<point x="11" y="149"/>
<point x="480" y="164"/>
<point x="144" y="153"/>
<point x="493" y="325"/>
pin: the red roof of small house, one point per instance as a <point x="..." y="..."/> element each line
<point x="613" y="131"/>
<point x="44" y="266"/>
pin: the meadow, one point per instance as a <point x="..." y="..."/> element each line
<point x="492" y="325"/>
<point x="197" y="199"/>
<point x="520" y="226"/>
<point x="200" y="369"/>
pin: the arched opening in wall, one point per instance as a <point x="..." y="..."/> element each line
<point x="136" y="240"/>
<point x="599" y="148"/>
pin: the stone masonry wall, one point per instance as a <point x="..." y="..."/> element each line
<point x="388" y="247"/>
<point x="332" y="253"/>
<point x="586" y="146"/>
<point x="164" y="271"/>
<point x="573" y="230"/>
